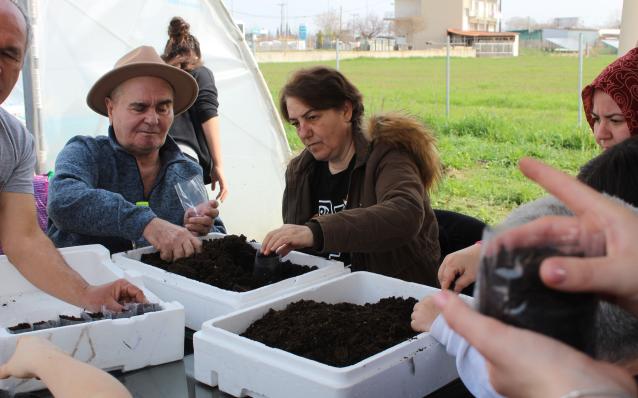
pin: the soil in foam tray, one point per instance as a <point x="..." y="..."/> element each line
<point x="336" y="334"/>
<point x="226" y="263"/>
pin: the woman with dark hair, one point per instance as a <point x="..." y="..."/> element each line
<point x="611" y="108"/>
<point x="197" y="130"/>
<point x="355" y="194"/>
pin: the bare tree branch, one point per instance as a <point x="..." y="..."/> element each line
<point x="370" y="26"/>
<point x="328" y="23"/>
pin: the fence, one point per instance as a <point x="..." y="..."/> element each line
<point x="494" y="49"/>
<point x="327" y="55"/>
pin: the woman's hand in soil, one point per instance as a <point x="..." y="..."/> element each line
<point x="460" y="268"/>
<point x="286" y="238"/>
<point x="424" y="314"/>
<point x="111" y="295"/>
<point x="172" y="241"/>
<point x="522" y="363"/>
<point x="200" y="220"/>
<point x="598" y="222"/>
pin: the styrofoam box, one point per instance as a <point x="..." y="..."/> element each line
<point x="203" y="302"/>
<point x="241" y="367"/>
<point x="126" y="344"/>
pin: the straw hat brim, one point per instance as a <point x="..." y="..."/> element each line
<point x="184" y="85"/>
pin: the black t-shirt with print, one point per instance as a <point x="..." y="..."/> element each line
<point x="330" y="195"/>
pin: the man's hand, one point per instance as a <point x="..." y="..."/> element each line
<point x="112" y="295"/>
<point x="462" y="264"/>
<point x="286" y="238"/>
<point x="200" y="219"/>
<point x="172" y="241"/>
<point x="424" y="314"/>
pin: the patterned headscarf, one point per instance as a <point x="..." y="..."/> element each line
<point x="620" y="81"/>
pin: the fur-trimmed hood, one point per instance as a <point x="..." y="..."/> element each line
<point x="388" y="225"/>
<point x="410" y="135"/>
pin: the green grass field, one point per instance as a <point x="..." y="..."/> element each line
<point x="501" y="109"/>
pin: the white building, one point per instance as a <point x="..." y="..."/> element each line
<point x="426" y="22"/>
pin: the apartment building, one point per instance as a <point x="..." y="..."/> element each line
<point x="425" y="23"/>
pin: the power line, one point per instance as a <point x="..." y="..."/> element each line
<point x="275" y="16"/>
<point x="248" y="14"/>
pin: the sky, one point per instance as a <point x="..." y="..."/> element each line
<point x="267" y="13"/>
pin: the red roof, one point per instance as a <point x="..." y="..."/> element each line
<point x="475" y="33"/>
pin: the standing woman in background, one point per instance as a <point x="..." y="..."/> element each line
<point x="197" y="130"/>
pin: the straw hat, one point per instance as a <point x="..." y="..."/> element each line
<point x="144" y="61"/>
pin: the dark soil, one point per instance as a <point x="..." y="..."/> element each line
<point x="20" y="328"/>
<point x="335" y="334"/>
<point x="92" y="316"/>
<point x="226" y="263"/>
<point x="66" y="320"/>
<point x="130" y="310"/>
<point x="46" y="325"/>
<point x="510" y="289"/>
<point x="71" y="318"/>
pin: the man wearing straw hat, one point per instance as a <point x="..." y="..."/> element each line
<point x="120" y="188"/>
<point x="22" y="239"/>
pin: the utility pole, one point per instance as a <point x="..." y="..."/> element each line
<point x="281" y="20"/>
<point x="31" y="87"/>
<point x="286" y="27"/>
<point x="354" y="33"/>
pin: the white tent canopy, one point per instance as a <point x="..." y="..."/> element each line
<point x="76" y="41"/>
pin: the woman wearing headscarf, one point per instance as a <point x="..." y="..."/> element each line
<point x="611" y="101"/>
<point x="611" y="108"/>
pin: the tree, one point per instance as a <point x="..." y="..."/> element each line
<point x="328" y="23"/>
<point x="370" y="26"/>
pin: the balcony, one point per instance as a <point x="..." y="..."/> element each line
<point x="482" y="19"/>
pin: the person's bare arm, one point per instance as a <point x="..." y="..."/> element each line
<point x="64" y="376"/>
<point x="211" y="133"/>
<point x="35" y="256"/>
<point x="32" y="253"/>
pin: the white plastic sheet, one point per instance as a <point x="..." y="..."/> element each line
<point x="77" y="41"/>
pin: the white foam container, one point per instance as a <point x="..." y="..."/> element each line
<point x="203" y="302"/>
<point x="126" y="344"/>
<point x="243" y="367"/>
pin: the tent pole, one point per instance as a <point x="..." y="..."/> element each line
<point x="31" y="88"/>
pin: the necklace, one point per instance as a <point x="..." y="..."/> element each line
<point x="340" y="166"/>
